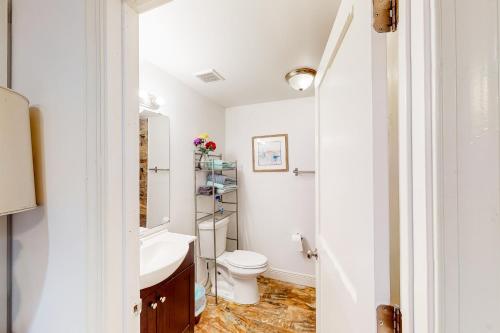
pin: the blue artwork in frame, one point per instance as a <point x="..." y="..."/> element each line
<point x="270" y="153"/>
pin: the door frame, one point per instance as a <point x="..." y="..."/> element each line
<point x="4" y="221"/>
<point x="4" y="228"/>
<point x="112" y="218"/>
<point x="418" y="131"/>
<point x="141" y="6"/>
<point x="113" y="160"/>
<point x="110" y="307"/>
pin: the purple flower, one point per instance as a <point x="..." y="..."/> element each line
<point x="197" y="141"/>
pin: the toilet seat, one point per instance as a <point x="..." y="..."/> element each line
<point x="246" y="259"/>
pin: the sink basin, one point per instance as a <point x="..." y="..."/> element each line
<point x="161" y="255"/>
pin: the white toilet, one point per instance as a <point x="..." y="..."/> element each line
<point x="236" y="271"/>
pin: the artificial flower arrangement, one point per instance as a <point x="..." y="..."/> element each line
<point x="204" y="146"/>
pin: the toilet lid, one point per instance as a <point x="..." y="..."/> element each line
<point x="246" y="259"/>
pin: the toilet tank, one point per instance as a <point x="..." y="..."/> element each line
<point x="206" y="241"/>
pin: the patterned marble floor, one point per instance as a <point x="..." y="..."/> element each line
<point x="284" y="308"/>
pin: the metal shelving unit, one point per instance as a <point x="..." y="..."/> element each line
<point x="215" y="215"/>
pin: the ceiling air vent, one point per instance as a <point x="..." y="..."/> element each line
<point x="210" y="75"/>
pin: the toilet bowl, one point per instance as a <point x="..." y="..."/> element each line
<point x="236" y="271"/>
<point x="237" y="274"/>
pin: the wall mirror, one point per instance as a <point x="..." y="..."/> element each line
<point x="154" y="169"/>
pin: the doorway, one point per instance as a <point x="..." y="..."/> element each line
<point x="389" y="157"/>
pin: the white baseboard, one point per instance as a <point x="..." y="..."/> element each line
<point x="291" y="277"/>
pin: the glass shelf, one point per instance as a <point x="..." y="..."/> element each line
<point x="209" y="155"/>
<point x="211" y="195"/>
<point x="218" y="216"/>
<point x="208" y="166"/>
<point x="215" y="169"/>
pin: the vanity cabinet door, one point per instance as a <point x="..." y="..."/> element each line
<point x="182" y="315"/>
<point x="165" y="307"/>
<point x="176" y="313"/>
<point x="149" y="314"/>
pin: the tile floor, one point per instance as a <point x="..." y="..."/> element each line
<point x="284" y="308"/>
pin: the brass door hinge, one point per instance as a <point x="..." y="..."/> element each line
<point x="389" y="319"/>
<point x="385" y="15"/>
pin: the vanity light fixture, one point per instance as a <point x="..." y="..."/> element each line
<point x="301" y="78"/>
<point x="150" y="101"/>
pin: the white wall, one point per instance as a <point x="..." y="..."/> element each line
<point x="49" y="255"/>
<point x="469" y="162"/>
<point x="190" y="114"/>
<point x="275" y="205"/>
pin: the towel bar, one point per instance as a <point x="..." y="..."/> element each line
<point x="297" y="172"/>
<point x="156" y="169"/>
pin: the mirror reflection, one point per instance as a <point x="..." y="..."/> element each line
<point x="154" y="169"/>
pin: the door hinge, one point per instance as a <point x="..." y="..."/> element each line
<point x="389" y="319"/>
<point x="385" y="15"/>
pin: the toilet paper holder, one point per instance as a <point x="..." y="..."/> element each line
<point x="298" y="241"/>
<point x="312" y="253"/>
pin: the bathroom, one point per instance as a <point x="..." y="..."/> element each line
<point x="123" y="220"/>
<point x="350" y="147"/>
<point x="267" y="210"/>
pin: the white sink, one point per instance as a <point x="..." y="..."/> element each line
<point x="161" y="254"/>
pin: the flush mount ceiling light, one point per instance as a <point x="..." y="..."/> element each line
<point x="300" y="79"/>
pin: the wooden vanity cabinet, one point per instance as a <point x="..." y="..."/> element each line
<point x="168" y="307"/>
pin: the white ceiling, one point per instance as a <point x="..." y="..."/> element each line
<point x="252" y="43"/>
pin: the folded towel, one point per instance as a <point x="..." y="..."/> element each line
<point x="220" y="164"/>
<point x="220" y="179"/>
<point x="221" y="186"/>
<point x="205" y="190"/>
<point x="216" y="185"/>
<point x="226" y="189"/>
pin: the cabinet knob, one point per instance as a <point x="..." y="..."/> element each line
<point x="153" y="305"/>
<point x="163" y="299"/>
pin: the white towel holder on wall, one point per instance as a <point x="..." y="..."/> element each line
<point x="297" y="172"/>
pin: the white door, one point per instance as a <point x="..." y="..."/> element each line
<point x="352" y="182"/>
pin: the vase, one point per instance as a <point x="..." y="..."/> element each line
<point x="202" y="160"/>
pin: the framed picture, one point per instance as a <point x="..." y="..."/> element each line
<point x="270" y="153"/>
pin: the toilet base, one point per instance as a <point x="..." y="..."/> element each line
<point x="241" y="291"/>
<point x="246" y="291"/>
<point x="224" y="290"/>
